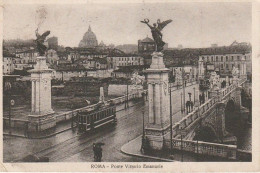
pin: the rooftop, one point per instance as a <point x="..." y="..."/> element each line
<point x="130" y="69"/>
<point x="69" y="67"/>
<point x="147" y="40"/>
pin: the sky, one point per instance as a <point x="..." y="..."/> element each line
<point x="194" y="24"/>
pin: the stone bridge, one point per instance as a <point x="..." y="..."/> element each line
<point x="205" y="123"/>
<point x="211" y="115"/>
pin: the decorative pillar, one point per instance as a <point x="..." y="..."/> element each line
<point x="243" y="74"/>
<point x="158" y="127"/>
<point x="42" y="115"/>
<point x="101" y="95"/>
<point x="201" y="68"/>
<point x="227" y="80"/>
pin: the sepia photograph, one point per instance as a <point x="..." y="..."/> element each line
<point x="127" y="82"/>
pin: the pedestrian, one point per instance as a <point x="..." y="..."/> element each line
<point x="191" y="104"/>
<point x="203" y="98"/>
<point x="95" y="152"/>
<point x="188" y="106"/>
<point x="99" y="153"/>
<point x="200" y="98"/>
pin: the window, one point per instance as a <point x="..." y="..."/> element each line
<point x="238" y="58"/>
<point x="216" y="58"/>
<point x="232" y="58"/>
<point x="221" y="58"/>
<point x="227" y="66"/>
<point x="238" y="66"/>
<point x="226" y="58"/>
<point x="212" y="59"/>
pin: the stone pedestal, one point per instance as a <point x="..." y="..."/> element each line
<point x="158" y="127"/>
<point x="42" y="115"/>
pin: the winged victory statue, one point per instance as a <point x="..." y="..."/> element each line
<point x="40" y="42"/>
<point x="156" y="32"/>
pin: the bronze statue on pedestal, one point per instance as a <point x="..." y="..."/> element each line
<point x="156" y="32"/>
<point x="40" y="42"/>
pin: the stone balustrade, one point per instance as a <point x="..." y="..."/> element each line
<point x="204" y="148"/>
<point x="202" y="110"/>
<point x="68" y="115"/>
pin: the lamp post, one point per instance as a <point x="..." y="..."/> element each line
<point x="170" y="90"/>
<point x="143" y="145"/>
<point x="181" y="104"/>
<point x="181" y="145"/>
<point x="194" y="94"/>
<point x="126" y="98"/>
<point x="8" y="79"/>
<point x="183" y="88"/>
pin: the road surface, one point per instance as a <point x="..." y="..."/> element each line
<point x="70" y="147"/>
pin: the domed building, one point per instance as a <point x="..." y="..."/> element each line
<point x="89" y="39"/>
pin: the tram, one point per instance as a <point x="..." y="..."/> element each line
<point x="92" y="119"/>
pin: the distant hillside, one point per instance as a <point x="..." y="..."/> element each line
<point x="19" y="43"/>
<point x="128" y="48"/>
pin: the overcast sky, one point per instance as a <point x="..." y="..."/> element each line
<point x="194" y="24"/>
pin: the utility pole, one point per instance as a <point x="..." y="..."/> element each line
<point x="9" y="102"/>
<point x="127" y="95"/>
<point x="181" y="148"/>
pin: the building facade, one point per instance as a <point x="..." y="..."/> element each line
<point x="223" y="64"/>
<point x="146" y="45"/>
<point x="8" y="66"/>
<point x="124" y="60"/>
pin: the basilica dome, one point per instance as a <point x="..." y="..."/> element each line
<point x="89" y="39"/>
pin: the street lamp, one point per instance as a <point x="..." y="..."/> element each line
<point x="183" y="88"/>
<point x="170" y="90"/>
<point x="8" y="79"/>
<point x="144" y="146"/>
<point x="194" y="94"/>
<point x="181" y="104"/>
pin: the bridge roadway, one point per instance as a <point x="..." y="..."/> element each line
<point x="69" y="147"/>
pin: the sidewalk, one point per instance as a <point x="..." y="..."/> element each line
<point x="60" y="127"/>
<point x="133" y="148"/>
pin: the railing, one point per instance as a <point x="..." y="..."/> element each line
<point x="204" y="148"/>
<point x="202" y="110"/>
<point x="68" y="115"/>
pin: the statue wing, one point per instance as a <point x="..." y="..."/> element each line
<point x="44" y="35"/>
<point x="161" y="25"/>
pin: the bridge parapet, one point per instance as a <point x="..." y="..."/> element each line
<point x="68" y="115"/>
<point x="204" y="148"/>
<point x="189" y="121"/>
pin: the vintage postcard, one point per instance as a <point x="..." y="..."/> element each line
<point x="130" y="86"/>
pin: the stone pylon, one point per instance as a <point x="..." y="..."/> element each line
<point x="41" y="116"/>
<point x="158" y="127"/>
